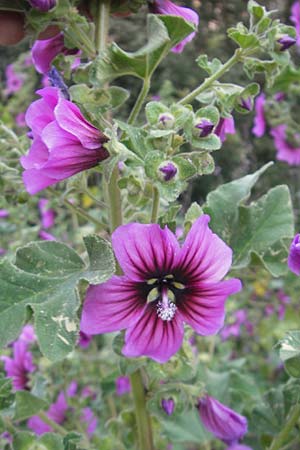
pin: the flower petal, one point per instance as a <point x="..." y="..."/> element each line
<point x="145" y="251"/>
<point x="111" y="306"/>
<point x="204" y="256"/>
<point x="44" y="51"/>
<point x="36" y="180"/>
<point x="37" y="156"/>
<point x="151" y="336"/>
<point x="202" y="306"/>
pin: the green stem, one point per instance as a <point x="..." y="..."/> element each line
<point x="143" y="421"/>
<point x="155" y="205"/>
<point x="102" y="25"/>
<point x="288" y="427"/>
<point x="52" y="424"/>
<point x="139" y="101"/>
<point x="231" y="62"/>
<point x="115" y="202"/>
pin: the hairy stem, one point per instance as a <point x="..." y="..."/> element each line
<point x="115" y="202"/>
<point x="139" y="101"/>
<point x="155" y="205"/>
<point x="293" y="417"/>
<point x="143" y="421"/>
<point x="102" y="25"/>
<point x="52" y="424"/>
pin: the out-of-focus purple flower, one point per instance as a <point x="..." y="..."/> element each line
<point x="168" y="405"/>
<point x="123" y="385"/>
<point x="27" y="334"/>
<point x="184" y="284"/>
<point x="220" y="420"/>
<point x="45" y="81"/>
<point x="4" y="213"/>
<point x="294" y="255"/>
<point x="224" y="127"/>
<point x="44" y="51"/>
<point x="88" y="392"/>
<point x="14" y="81"/>
<point x="295" y="18"/>
<point x="56" y="412"/>
<point x="285" y="151"/>
<point x="19" y="366"/>
<point x="238" y="447"/>
<point x="169" y="8"/>
<point x="46" y="236"/>
<point x="7" y="436"/>
<point x="42" y="5"/>
<point x="169" y="171"/>
<point x="269" y="310"/>
<point x="20" y="119"/>
<point x="64" y="142"/>
<point x="286" y="42"/>
<point x="279" y="96"/>
<point x="89" y="420"/>
<point x="281" y="312"/>
<point x="27" y="61"/>
<point x="259" y="128"/>
<point x="3" y="251"/>
<point x="234" y="329"/>
<point x="84" y="339"/>
<point x="205" y="127"/>
<point x="283" y="297"/>
<point x="246" y="103"/>
<point x="47" y="214"/>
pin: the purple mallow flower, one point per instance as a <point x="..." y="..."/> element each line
<point x="168" y="405"/>
<point x="123" y="385"/>
<point x="285" y="150"/>
<point x="19" y="366"/>
<point x="64" y="142"/>
<point x="163" y="287"/>
<point x="224" y="127"/>
<point x="259" y="128"/>
<point x="286" y="42"/>
<point x="47" y="214"/>
<point x="295" y="18"/>
<point x="44" y="51"/>
<point x="169" y="8"/>
<point x="294" y="255"/>
<point x="226" y="424"/>
<point x="89" y="421"/>
<point x="169" y="171"/>
<point x="14" y="81"/>
<point x="205" y="127"/>
<point x="42" y="5"/>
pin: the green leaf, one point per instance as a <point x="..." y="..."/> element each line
<point x="98" y="101"/>
<point x="209" y="66"/>
<point x="163" y="32"/>
<point x="192" y="214"/>
<point x="289" y="352"/>
<point x="243" y="37"/>
<point x="25" y="440"/>
<point x="6" y="395"/>
<point x="185" y="428"/>
<point x="28" y="405"/>
<point x="44" y="277"/>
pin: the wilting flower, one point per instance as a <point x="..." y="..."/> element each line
<point x="285" y="150"/>
<point x="295" y="18"/>
<point x="123" y="385"/>
<point x="47" y="214"/>
<point x="14" y="81"/>
<point x="168" y="405"/>
<point x="259" y="128"/>
<point x="44" y="51"/>
<point x="226" y="424"/>
<point x="169" y="171"/>
<point x="19" y="366"/>
<point x="224" y="127"/>
<point x="42" y="5"/>
<point x="286" y="42"/>
<point x="163" y="286"/>
<point x="294" y="255"/>
<point x="169" y="8"/>
<point x="64" y="142"/>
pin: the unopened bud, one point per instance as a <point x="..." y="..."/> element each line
<point x="286" y="42"/>
<point x="168" y="405"/>
<point x="169" y="171"/>
<point x="42" y="5"/>
<point x="205" y="128"/>
<point x="166" y="121"/>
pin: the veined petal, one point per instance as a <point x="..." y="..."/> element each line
<point x="204" y="256"/>
<point x="202" y="305"/>
<point x="40" y="112"/>
<point x="44" y="51"/>
<point x="151" y="336"/>
<point x="37" y="156"/>
<point x="145" y="251"/>
<point x="36" y="180"/>
<point x="112" y="306"/>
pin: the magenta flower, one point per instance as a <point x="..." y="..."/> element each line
<point x="14" y="81"/>
<point x="19" y="366"/>
<point x="285" y="150"/>
<point x="168" y="405"/>
<point x="4" y="213"/>
<point x="123" y="385"/>
<point x="225" y="126"/>
<point x="47" y="214"/>
<point x="64" y="142"/>
<point x="57" y="412"/>
<point x="295" y="18"/>
<point x="44" y="51"/>
<point x="238" y="447"/>
<point x="294" y="255"/>
<point x="89" y="420"/>
<point x="28" y="334"/>
<point x="45" y="236"/>
<point x="163" y="286"/>
<point x="169" y="8"/>
<point x="226" y="424"/>
<point x="42" y="5"/>
<point x="84" y="339"/>
<point x="259" y="128"/>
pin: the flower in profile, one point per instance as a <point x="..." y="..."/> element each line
<point x="225" y="126"/>
<point x="226" y="424"/>
<point x="168" y="405"/>
<point x="285" y="150"/>
<point x="295" y="18"/>
<point x="286" y="42"/>
<point x="64" y="142"/>
<point x="259" y="128"/>
<point x="169" y="8"/>
<point x="294" y="255"/>
<point x="123" y="385"/>
<point x="42" y="5"/>
<point x="164" y="285"/>
<point x="44" y="51"/>
<point x="19" y="366"/>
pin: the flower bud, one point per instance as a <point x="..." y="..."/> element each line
<point x="204" y="128"/>
<point x="246" y="103"/>
<point x="294" y="255"/>
<point x="286" y="42"/>
<point x="168" y="405"/>
<point x="169" y="171"/>
<point x="42" y="5"/>
<point x="166" y="121"/>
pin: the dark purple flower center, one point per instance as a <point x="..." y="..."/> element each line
<point x="164" y="291"/>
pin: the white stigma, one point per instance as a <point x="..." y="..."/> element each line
<point x="165" y="308"/>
